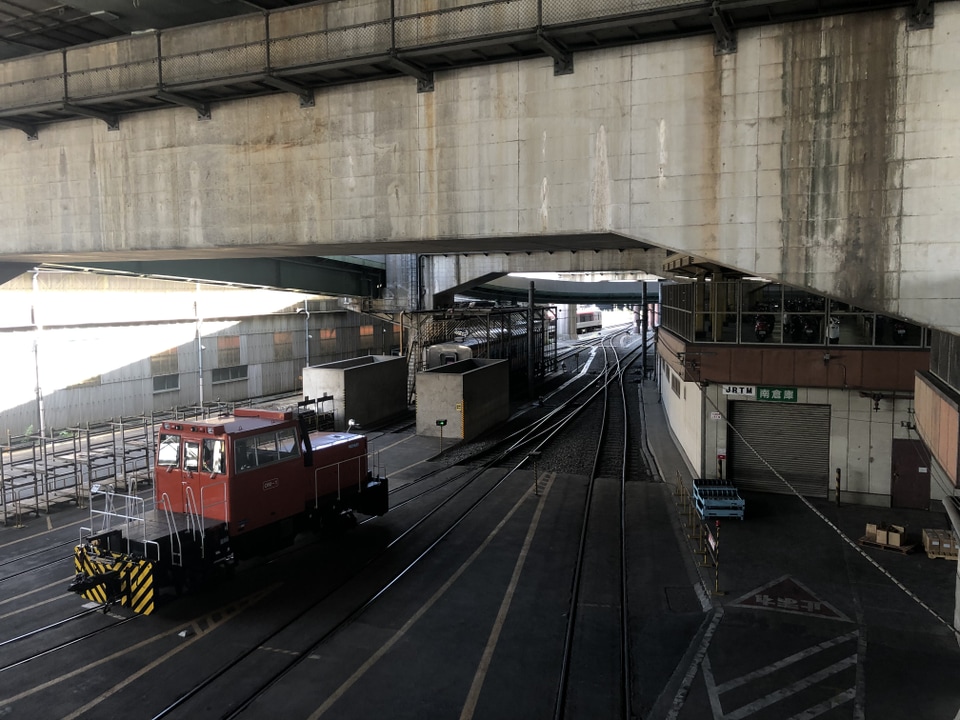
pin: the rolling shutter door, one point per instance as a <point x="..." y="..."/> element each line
<point x="794" y="439"/>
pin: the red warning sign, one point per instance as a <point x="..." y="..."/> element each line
<point x="788" y="595"/>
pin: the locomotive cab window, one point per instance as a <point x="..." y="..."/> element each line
<point x="289" y="447"/>
<point x="191" y="455"/>
<point x="266" y="449"/>
<point x="213" y="457"/>
<point x="246" y="456"/>
<point x="168" y="452"/>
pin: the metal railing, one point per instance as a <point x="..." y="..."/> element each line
<point x="392" y="26"/>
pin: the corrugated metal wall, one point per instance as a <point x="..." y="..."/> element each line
<point x="97" y="334"/>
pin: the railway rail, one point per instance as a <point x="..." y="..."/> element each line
<point x="430" y="517"/>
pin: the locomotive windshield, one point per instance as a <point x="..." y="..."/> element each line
<point x="191" y="455"/>
<point x="168" y="453"/>
<point x="205" y="455"/>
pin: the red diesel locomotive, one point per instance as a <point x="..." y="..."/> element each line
<point x="224" y="489"/>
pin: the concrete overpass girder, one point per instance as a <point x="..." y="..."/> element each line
<point x="315" y="275"/>
<point x="813" y="156"/>
<point x="445" y="275"/>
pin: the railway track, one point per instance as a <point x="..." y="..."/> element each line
<point x="599" y="594"/>
<point x="315" y="623"/>
<point x="521" y="446"/>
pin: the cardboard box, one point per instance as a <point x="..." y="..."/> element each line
<point x="871" y="531"/>
<point x="939" y="543"/>
<point x="897" y="535"/>
<point x="881" y="536"/>
<point x="931" y="539"/>
<point x="948" y="541"/>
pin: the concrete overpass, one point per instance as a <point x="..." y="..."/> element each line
<point x="820" y="153"/>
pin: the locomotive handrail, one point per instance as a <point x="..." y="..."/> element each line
<point x="373" y="464"/>
<point x="176" y="553"/>
<point x="190" y="504"/>
<point x="338" y="466"/>
<point x="131" y="513"/>
<point x="222" y="486"/>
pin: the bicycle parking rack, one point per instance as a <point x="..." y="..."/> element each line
<point x="717" y="498"/>
<point x="704" y="536"/>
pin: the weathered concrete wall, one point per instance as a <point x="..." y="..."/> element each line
<point x="366" y="389"/>
<point x="822" y="154"/>
<point x="471" y="395"/>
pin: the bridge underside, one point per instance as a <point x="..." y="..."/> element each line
<point x="507" y="244"/>
<point x="515" y="290"/>
<point x="813" y="155"/>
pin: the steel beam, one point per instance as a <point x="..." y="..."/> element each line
<point x="112" y="121"/>
<point x="317" y="275"/>
<point x="424" y="78"/>
<point x="726" y="37"/>
<point x="202" y="108"/>
<point x="921" y="15"/>
<point x="562" y="60"/>
<point x="27" y="128"/>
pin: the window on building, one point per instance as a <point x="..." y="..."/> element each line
<point x="165" y="383"/>
<point x="165" y="363"/>
<point x="283" y="346"/>
<point x="328" y="341"/>
<point x="165" y="369"/>
<point x="228" y="350"/>
<point x="229" y="374"/>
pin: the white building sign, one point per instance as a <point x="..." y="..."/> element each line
<point x="740" y="390"/>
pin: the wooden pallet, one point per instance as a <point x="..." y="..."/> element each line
<point x="904" y="549"/>
<point x="940" y="543"/>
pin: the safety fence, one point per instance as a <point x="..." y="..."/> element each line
<point x="703" y="535"/>
<point x="38" y="471"/>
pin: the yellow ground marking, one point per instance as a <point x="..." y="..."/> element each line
<point x="397" y="636"/>
<point x="473" y="696"/>
<point x="212" y="620"/>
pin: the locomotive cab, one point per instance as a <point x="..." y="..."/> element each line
<point x="224" y="488"/>
<point x="261" y="471"/>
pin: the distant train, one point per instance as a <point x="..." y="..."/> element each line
<point x="225" y="488"/>
<point x="498" y="345"/>
<point x="588" y="321"/>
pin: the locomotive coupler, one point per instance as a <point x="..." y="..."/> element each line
<point x="110" y="581"/>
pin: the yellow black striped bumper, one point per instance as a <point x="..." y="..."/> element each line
<point x="136" y="578"/>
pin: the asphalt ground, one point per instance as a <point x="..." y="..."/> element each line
<point x="805" y="622"/>
<point x="798" y="621"/>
